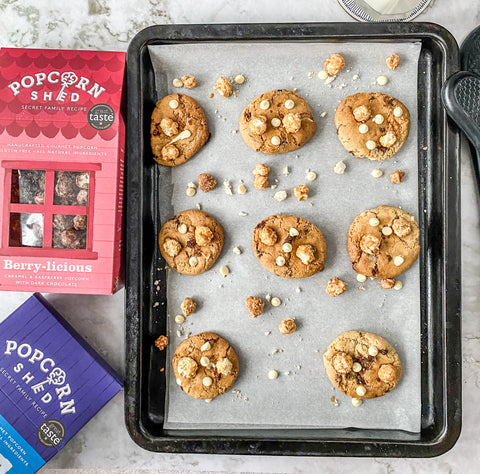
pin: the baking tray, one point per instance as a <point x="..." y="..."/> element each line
<point x="439" y="197"/>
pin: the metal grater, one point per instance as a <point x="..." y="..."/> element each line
<point x="461" y="96"/>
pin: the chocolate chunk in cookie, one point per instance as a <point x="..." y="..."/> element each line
<point x="278" y="121"/>
<point x="178" y="129"/>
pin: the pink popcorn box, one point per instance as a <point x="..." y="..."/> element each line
<point x="62" y="138"/>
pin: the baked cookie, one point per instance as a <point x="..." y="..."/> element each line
<point x="205" y="365"/>
<point x="191" y="242"/>
<point x="178" y="129"/>
<point x="383" y="242"/>
<point x="372" y="125"/>
<point x="278" y="121"/>
<point x="362" y="365"/>
<point x="289" y="246"/>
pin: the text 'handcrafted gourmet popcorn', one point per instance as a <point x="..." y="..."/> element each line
<point x="61" y="170"/>
<point x="51" y="384"/>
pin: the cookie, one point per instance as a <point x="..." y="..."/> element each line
<point x="372" y="125"/>
<point x="191" y="242"/>
<point x="178" y="129"/>
<point x="289" y="246"/>
<point x="278" y="121"/>
<point x="362" y="365"/>
<point x="383" y="242"/>
<point x="205" y="365"/>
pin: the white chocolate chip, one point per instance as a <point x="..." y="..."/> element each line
<point x="276" y="122"/>
<point x="361" y="390"/>
<point x="280" y="196"/>
<point x="207" y="381"/>
<point x="387" y="230"/>
<point x="398" y="260"/>
<point x="239" y="79"/>
<point x="204" y="361"/>
<point x="236" y="250"/>
<point x="374" y="222"/>
<point x="363" y="128"/>
<point x="206" y="347"/>
<point x="397" y="111"/>
<point x="241" y="189"/>
<point x="377" y="173"/>
<point x="285" y="171"/>
<point x="287" y="247"/>
<point x="224" y="270"/>
<point x="208" y="400"/>
<point x="179" y="381"/>
<point x="181" y="136"/>
<point x="398" y="285"/>
<point x="373" y="351"/>
<point x="371" y="145"/>
<point x="378" y="119"/>
<point x="272" y="374"/>
<point x="293" y="232"/>
<point x="173" y="104"/>
<point x="193" y="261"/>
<point x="190" y="192"/>
<point x="177" y="83"/>
<point x="382" y="80"/>
<point x="339" y="168"/>
<point x="179" y="318"/>
<point x="357" y="367"/>
<point x="311" y="176"/>
<point x="280" y="260"/>
<point x="356" y="402"/>
<point x="322" y="75"/>
<point x="275" y="140"/>
<point x="182" y="228"/>
<point x="361" y="278"/>
<point x="264" y="104"/>
<point x="275" y="301"/>
<point x="289" y="104"/>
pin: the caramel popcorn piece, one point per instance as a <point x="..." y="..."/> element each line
<point x="172" y="247"/>
<point x="388" y="283"/>
<point x="306" y="253"/>
<point x="401" y="227"/>
<point x="223" y="86"/>
<point x="161" y="343"/>
<point x="361" y="113"/>
<point x="386" y="373"/>
<point x="334" y="64"/>
<point x="203" y="235"/>
<point x="72" y="239"/>
<point x="258" y="125"/>
<point x="342" y="362"/>
<point x="388" y="139"/>
<point x="224" y="366"/>
<point x="301" y="192"/>
<point x="39" y="198"/>
<point x="261" y="170"/>
<point x="187" y="367"/>
<point x="254" y="305"/>
<point x="170" y="152"/>
<point x="189" y="82"/>
<point x="188" y="306"/>
<point x="261" y="182"/>
<point x="287" y="326"/>
<point x="206" y="182"/>
<point x="268" y="236"/>
<point x="83" y="180"/>
<point x="82" y="197"/>
<point x="292" y="123"/>
<point x="169" y="127"/>
<point x="397" y="177"/>
<point x="370" y="244"/>
<point x="393" y="61"/>
<point x="80" y="222"/>
<point x="335" y="287"/>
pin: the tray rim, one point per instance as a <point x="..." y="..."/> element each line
<point x="391" y="32"/>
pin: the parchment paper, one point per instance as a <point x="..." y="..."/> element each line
<point x="301" y="396"/>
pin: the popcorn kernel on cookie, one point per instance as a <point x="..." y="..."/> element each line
<point x="188" y="306"/>
<point x="161" y="342"/>
<point x="388" y="283"/>
<point x="401" y="227"/>
<point x="203" y="235"/>
<point x="268" y="236"/>
<point x="189" y="82"/>
<point x="224" y="366"/>
<point x="170" y="152"/>
<point x="342" y="362"/>
<point x="301" y="192"/>
<point x="370" y="244"/>
<point x="397" y="177"/>
<point x="169" y="127"/>
<point x="386" y="373"/>
<point x="206" y="182"/>
<point x="334" y="64"/>
<point x="292" y="122"/>
<point x="187" y="367"/>
<point x="361" y="113"/>
<point x="172" y="247"/>
<point x="393" y="61"/>
<point x="223" y="86"/>
<point x="287" y="326"/>
<point x="335" y="287"/>
<point x="306" y="253"/>
<point x="388" y="139"/>
<point x="258" y="125"/>
<point x="254" y="306"/>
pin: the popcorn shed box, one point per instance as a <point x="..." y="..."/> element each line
<point x="61" y="170"/>
<point x="51" y="384"/>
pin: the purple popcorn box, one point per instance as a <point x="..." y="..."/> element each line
<point x="51" y="384"/>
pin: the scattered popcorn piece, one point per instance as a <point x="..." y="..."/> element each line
<point x="285" y="171"/>
<point x="227" y="187"/>
<point x="334" y="64"/>
<point x="339" y="167"/>
<point x="287" y="326"/>
<point x="206" y="182"/>
<point x="236" y="250"/>
<point x="335" y="287"/>
<point x="388" y="283"/>
<point x="223" y="86"/>
<point x="280" y="196"/>
<point x="301" y="192"/>
<point x="393" y="61"/>
<point x="397" y="177"/>
<point x="161" y="342"/>
<point x="323" y="114"/>
<point x="188" y="306"/>
<point x="189" y="82"/>
<point x="241" y="189"/>
<point x="254" y="306"/>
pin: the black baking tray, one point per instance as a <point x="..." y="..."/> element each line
<point x="439" y="199"/>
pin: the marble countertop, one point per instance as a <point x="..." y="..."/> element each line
<point x="109" y="25"/>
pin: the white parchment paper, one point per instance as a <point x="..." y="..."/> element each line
<point x="301" y="396"/>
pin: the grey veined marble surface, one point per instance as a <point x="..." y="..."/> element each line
<point x="109" y="25"/>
